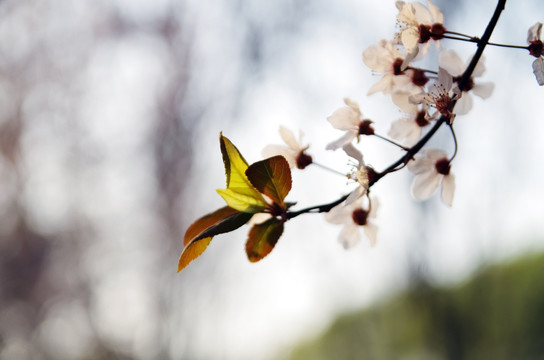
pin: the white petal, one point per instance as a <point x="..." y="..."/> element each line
<point x="445" y="78"/>
<point x="435" y="154"/>
<point x="410" y="40"/>
<point x="423" y="15"/>
<point x="273" y="150"/>
<point x="451" y="62"/>
<point x="538" y="70"/>
<point x="420" y="164"/>
<point x="289" y="138"/>
<point x="400" y="99"/>
<point x="420" y="98"/>
<point x="345" y="118"/>
<point x="343" y="140"/>
<point x="534" y="32"/>
<point x="463" y="105"/>
<point x="407" y="14"/>
<point x="374" y="209"/>
<point x="422" y="50"/>
<point x="353" y="152"/>
<point x="355" y="195"/>
<point x="385" y="85"/>
<point x="371" y="232"/>
<point x="480" y="67"/>
<point x="425" y="184"/>
<point x="483" y="90"/>
<point x="437" y="15"/>
<point x="448" y="189"/>
<point x="405" y="130"/>
<point x="339" y="214"/>
<point x="378" y="59"/>
<point x="349" y="236"/>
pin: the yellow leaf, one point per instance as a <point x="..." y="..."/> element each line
<point x="240" y="194"/>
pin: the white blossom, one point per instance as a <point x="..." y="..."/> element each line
<point x="360" y="174"/>
<point x="408" y="128"/>
<point x="453" y="64"/>
<point x="432" y="170"/>
<point x="352" y="217"/>
<point x="421" y="24"/>
<point x="386" y="59"/>
<point x="441" y="95"/>
<point x="294" y="152"/>
<point x="350" y="119"/>
<point x="536" y="49"/>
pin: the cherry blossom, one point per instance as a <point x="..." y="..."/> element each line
<point x="408" y="128"/>
<point x="453" y="64"/>
<point x="353" y="217"/>
<point x="536" y="48"/>
<point x="441" y="95"/>
<point x="432" y="170"/>
<point x="387" y="59"/>
<point x="421" y="24"/>
<point x="294" y="152"/>
<point x="350" y="119"/>
<point x="360" y="174"/>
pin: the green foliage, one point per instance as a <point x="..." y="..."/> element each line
<point x="499" y="314"/>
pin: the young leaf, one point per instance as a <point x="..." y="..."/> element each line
<point x="192" y="251"/>
<point x="200" y="233"/>
<point x="271" y="177"/>
<point x="262" y="239"/>
<point x="240" y="193"/>
<point x="206" y="222"/>
<point x="243" y="200"/>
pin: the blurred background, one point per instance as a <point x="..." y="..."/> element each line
<point x="110" y="113"/>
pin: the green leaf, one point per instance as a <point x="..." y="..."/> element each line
<point x="240" y="193"/>
<point x="200" y="233"/>
<point x="262" y="239"/>
<point x="271" y="177"/>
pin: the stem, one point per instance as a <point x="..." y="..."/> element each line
<point x="392" y="142"/>
<point x="463" y="81"/>
<point x="474" y="40"/>
<point x="329" y="169"/>
<point x="454" y="142"/>
<point x="509" y="46"/>
<point x="460" y="34"/>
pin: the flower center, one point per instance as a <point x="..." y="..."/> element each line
<point x="365" y="128"/>
<point x="437" y="31"/>
<point x="424" y="33"/>
<point x="303" y="160"/>
<point x="419" y="78"/>
<point x="536" y="48"/>
<point x="359" y="216"/>
<point x="442" y="166"/>
<point x="443" y="104"/>
<point x="397" y="65"/>
<point x="362" y="176"/>
<point x="421" y="118"/>
<point x="468" y="86"/>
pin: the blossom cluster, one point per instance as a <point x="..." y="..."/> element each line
<point x="423" y="96"/>
<point x="427" y="99"/>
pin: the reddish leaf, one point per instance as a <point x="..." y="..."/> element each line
<point x="262" y="239"/>
<point x="271" y="177"/>
<point x="200" y="233"/>
<point x="207" y="221"/>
